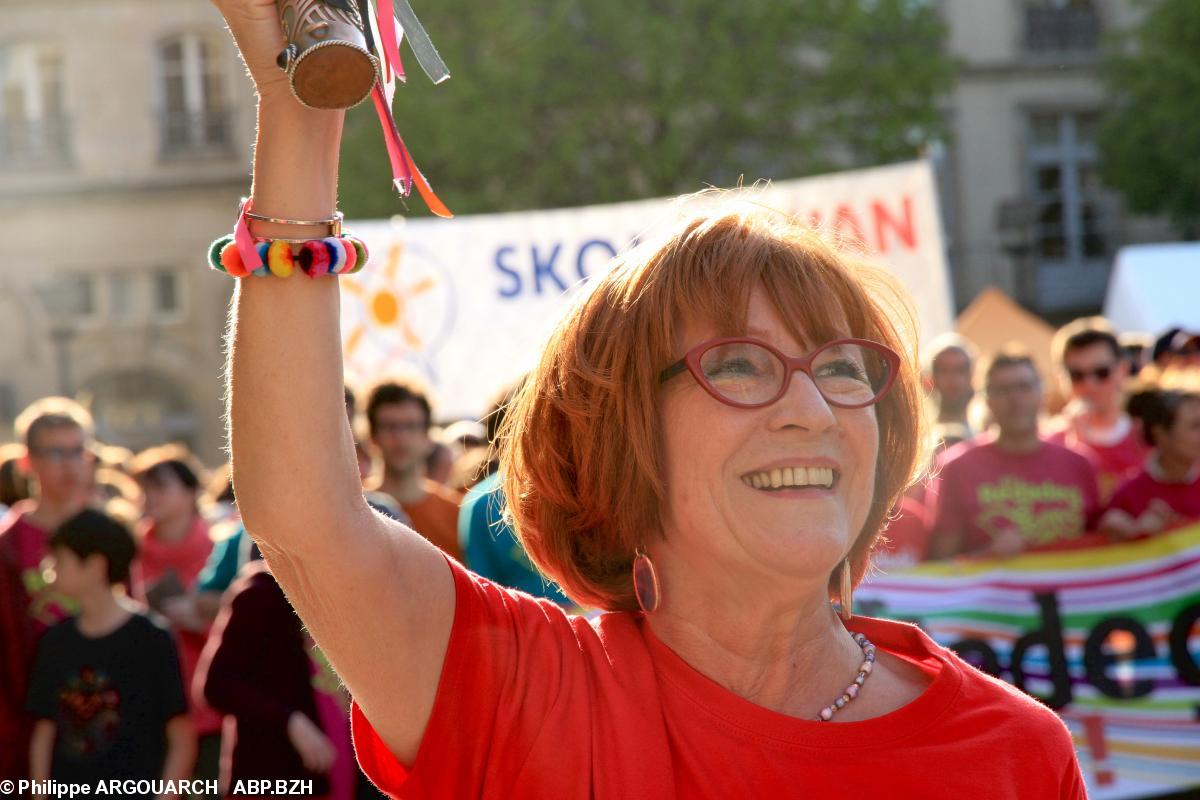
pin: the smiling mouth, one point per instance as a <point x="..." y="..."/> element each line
<point x="792" y="478"/>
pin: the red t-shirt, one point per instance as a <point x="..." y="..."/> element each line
<point x="1113" y="463"/>
<point x="28" y="542"/>
<point x="1048" y="496"/>
<point x="1134" y="496"/>
<point x="185" y="559"/>
<point x="28" y="606"/>
<point x="535" y="703"/>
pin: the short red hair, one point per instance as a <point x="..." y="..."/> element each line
<point x="581" y="448"/>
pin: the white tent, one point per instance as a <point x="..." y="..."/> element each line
<point x="1154" y="287"/>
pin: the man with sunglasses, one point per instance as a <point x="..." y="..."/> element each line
<point x="56" y="432"/>
<point x="1094" y="423"/>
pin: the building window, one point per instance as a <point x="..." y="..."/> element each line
<point x="121" y="301"/>
<point x="1066" y="189"/>
<point x="33" y="118"/>
<point x="71" y="297"/>
<point x="1061" y="26"/>
<point x="167" y="300"/>
<point x="1072" y="218"/>
<point x="194" y="113"/>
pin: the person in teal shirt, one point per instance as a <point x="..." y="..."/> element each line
<point x="490" y="548"/>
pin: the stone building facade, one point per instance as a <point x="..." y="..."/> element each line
<point x="126" y="130"/>
<point x="1022" y="199"/>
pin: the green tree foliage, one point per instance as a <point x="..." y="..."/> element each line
<point x="574" y="102"/>
<point x="1150" y="139"/>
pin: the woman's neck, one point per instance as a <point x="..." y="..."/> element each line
<point x="1173" y="468"/>
<point x="173" y="530"/>
<point x="793" y="657"/>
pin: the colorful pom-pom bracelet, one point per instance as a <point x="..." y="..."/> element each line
<point x="333" y="255"/>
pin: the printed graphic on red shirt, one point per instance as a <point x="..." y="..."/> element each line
<point x="1042" y="513"/>
<point x="46" y="605"/>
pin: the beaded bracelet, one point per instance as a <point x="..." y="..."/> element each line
<point x="333" y="255"/>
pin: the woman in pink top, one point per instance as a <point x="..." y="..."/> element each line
<point x="1166" y="492"/>
<point x="707" y="451"/>
<point x="173" y="547"/>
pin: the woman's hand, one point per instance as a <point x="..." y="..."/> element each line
<point x="181" y="613"/>
<point x="256" y="29"/>
<point x="316" y="751"/>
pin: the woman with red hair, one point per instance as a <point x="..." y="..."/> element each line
<point x="707" y="451"/>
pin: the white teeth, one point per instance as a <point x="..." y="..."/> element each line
<point x="790" y="476"/>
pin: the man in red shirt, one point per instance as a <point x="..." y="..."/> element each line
<point x="1011" y="491"/>
<point x="55" y="431"/>
<point x="1094" y="424"/>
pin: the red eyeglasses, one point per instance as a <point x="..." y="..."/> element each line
<point x="749" y="373"/>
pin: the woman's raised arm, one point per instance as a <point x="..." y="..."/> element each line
<point x="377" y="597"/>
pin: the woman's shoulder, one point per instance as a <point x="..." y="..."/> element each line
<point x="973" y="700"/>
<point x="599" y="642"/>
<point x="1002" y="702"/>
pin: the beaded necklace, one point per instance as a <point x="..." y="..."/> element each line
<point x="852" y="690"/>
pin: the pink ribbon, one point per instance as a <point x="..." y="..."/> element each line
<point x="243" y="239"/>
<point x="405" y="173"/>
<point x="389" y="47"/>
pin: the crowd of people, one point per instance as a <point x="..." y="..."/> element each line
<point x="1118" y="459"/>
<point x="131" y="576"/>
<point x="105" y="555"/>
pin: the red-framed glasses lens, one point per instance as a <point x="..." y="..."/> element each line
<point x="749" y="373"/>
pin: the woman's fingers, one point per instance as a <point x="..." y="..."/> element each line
<point x="259" y="36"/>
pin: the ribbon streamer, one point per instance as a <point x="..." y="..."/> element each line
<point x="422" y="46"/>
<point x="391" y="30"/>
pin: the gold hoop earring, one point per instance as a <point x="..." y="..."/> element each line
<point x="846" y="596"/>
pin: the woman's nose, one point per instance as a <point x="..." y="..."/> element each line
<point x="802" y="405"/>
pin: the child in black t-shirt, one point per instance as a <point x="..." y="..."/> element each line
<point x="106" y="687"/>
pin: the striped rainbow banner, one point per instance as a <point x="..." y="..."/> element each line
<point x="1107" y="636"/>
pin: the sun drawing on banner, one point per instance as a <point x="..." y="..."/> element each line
<point x="398" y="309"/>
